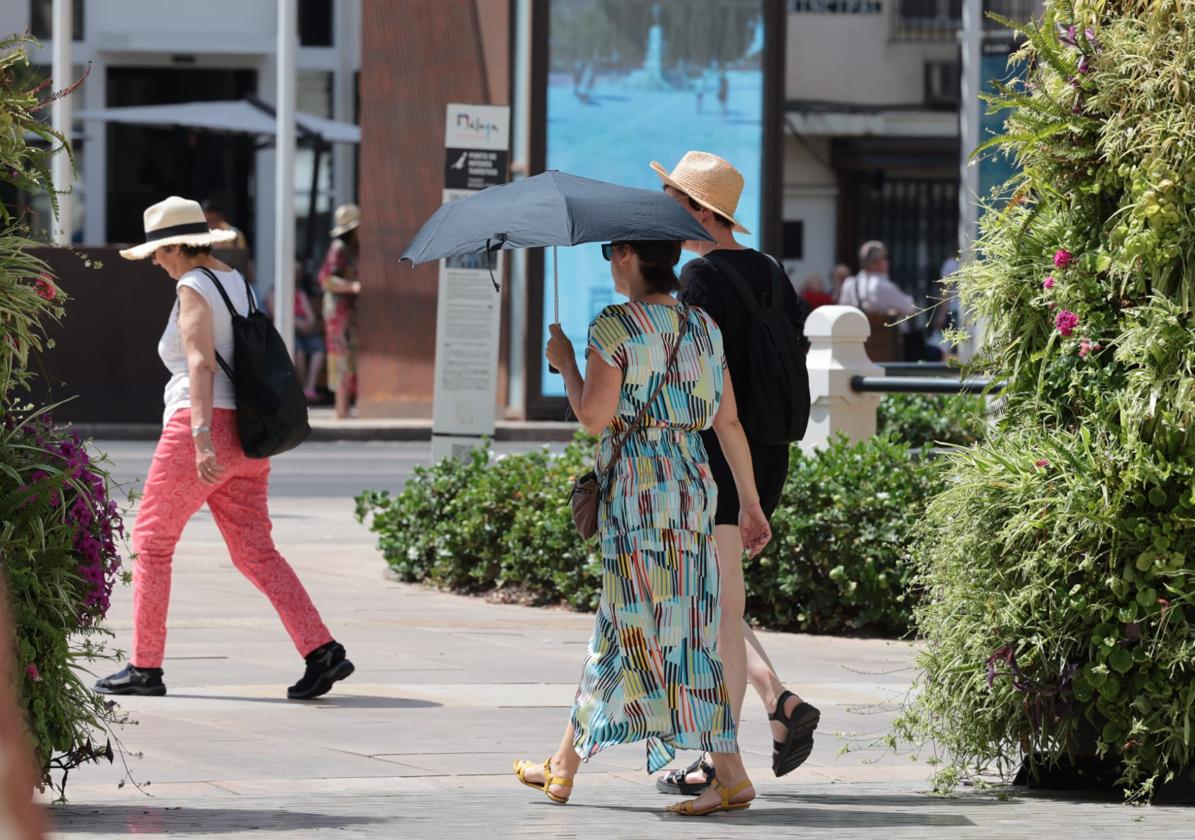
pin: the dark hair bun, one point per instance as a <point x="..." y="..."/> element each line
<point x="657" y="258"/>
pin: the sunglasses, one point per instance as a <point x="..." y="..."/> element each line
<point x="608" y="250"/>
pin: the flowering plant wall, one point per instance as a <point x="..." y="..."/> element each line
<point x="60" y="530"/>
<point x="1058" y="608"/>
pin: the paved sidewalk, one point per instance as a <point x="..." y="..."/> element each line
<point x="448" y="690"/>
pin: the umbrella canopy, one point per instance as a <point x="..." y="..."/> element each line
<point x="552" y="208"/>
<point x="237" y="116"/>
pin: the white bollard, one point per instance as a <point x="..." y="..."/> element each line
<point x="836" y="355"/>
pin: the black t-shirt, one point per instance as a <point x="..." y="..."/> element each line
<point x="703" y="285"/>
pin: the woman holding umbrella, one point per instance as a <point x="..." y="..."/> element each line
<point x="652" y="672"/>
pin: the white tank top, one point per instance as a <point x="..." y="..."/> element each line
<point x="174" y="354"/>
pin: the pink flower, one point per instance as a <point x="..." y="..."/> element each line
<point x="44" y="287"/>
<point x="1088" y="346"/>
<point x="32" y="673"/>
<point x="1063" y="258"/>
<point x="1048" y="283"/>
<point x="1066" y="321"/>
<point x="1041" y="463"/>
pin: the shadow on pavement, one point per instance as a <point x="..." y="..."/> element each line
<point x="963" y="799"/>
<point x="141" y="819"/>
<point x="806" y="817"/>
<point x="348" y="701"/>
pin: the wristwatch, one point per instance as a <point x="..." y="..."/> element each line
<point x="196" y="431"/>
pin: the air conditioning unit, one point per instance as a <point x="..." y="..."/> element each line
<point x="943" y="80"/>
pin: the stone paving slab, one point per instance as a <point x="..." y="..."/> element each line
<point x="449" y="690"/>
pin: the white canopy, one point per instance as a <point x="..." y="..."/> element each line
<point x="239" y="116"/>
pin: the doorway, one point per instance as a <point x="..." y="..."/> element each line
<point x="146" y="163"/>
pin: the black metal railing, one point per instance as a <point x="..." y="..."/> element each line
<point x="940" y="20"/>
<point x="923" y="385"/>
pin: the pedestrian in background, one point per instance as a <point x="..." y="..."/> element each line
<point x="813" y="290"/>
<point x="199" y="460"/>
<point x="837" y="279"/>
<point x="872" y="290"/>
<point x="709" y="188"/>
<point x="338" y="279"/>
<point x="655" y="368"/>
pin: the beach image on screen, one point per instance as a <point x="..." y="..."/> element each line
<point x="630" y="82"/>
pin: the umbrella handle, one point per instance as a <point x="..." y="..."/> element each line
<point x="555" y="294"/>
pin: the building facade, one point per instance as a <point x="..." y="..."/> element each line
<point x="872" y="145"/>
<point x="149" y="52"/>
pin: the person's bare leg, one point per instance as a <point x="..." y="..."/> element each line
<point x="763" y="678"/>
<point x="564" y="765"/>
<point x="729" y="771"/>
<point x="301" y="359"/>
<point x="342" y="401"/>
<point x="732" y="648"/>
<point x="732" y="599"/>
<point x="314" y="366"/>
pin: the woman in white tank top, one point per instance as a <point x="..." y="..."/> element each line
<point x="199" y="460"/>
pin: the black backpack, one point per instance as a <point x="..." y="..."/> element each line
<point x="271" y="407"/>
<point x="774" y="402"/>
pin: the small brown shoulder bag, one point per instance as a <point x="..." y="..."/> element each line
<point x="587" y="489"/>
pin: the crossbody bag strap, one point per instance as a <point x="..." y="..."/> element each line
<point x="618" y="447"/>
<point x="227" y="368"/>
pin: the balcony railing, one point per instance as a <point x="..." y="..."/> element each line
<point x="940" y="20"/>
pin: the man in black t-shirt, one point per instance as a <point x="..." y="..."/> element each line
<point x="708" y="187"/>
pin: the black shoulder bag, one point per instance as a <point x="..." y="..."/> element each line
<point x="271" y="407"/>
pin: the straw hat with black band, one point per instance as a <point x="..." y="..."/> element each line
<point x="709" y="180"/>
<point x="176" y="221"/>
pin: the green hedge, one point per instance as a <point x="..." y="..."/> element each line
<point x="502" y="526"/>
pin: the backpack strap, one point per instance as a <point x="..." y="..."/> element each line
<point x="231" y="310"/>
<point x="728" y="270"/>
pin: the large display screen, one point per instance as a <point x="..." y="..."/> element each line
<point x="630" y="82"/>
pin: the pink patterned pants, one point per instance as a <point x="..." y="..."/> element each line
<point x="173" y="493"/>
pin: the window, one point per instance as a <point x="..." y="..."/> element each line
<point x="41" y="19"/>
<point x="794" y="240"/>
<point x="315" y="23"/>
<point x="940" y="20"/>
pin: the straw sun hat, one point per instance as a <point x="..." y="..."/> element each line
<point x="709" y="180"/>
<point x="176" y="221"/>
<point x="346" y="218"/>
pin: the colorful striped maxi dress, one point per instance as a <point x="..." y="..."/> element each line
<point x="651" y="672"/>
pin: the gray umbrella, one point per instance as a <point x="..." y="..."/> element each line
<point x="553" y="208"/>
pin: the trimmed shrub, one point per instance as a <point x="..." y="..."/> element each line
<point x="932" y="418"/>
<point x="503" y="527"/>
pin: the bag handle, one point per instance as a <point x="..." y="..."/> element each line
<point x="680" y="335"/>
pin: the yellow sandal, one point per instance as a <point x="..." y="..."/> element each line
<point x="686" y="809"/>
<point x="522" y="766"/>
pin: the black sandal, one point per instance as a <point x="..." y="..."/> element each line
<point x="674" y="782"/>
<point x="789" y="754"/>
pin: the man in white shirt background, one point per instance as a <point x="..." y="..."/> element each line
<point x="872" y="290"/>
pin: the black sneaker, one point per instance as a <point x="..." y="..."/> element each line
<point x="133" y="680"/>
<point x="325" y="665"/>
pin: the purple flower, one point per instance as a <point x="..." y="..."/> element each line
<point x="1068" y="36"/>
<point x="32" y="673"/>
<point x="1048" y="283"/>
<point x="1063" y="258"/>
<point x="1066" y="321"/>
<point x="1084" y="66"/>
